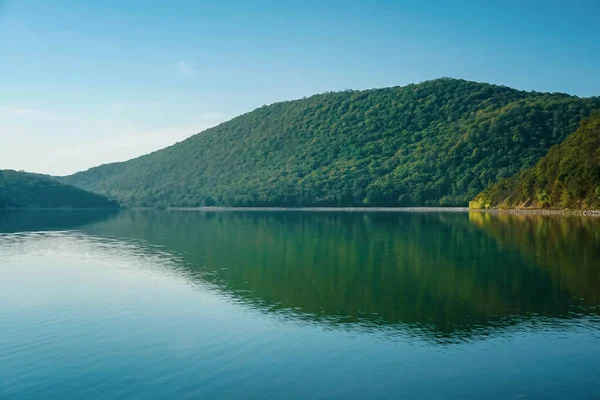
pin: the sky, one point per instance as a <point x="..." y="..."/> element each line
<point x="85" y="82"/>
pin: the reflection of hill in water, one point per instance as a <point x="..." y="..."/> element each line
<point x="567" y="248"/>
<point x="49" y="220"/>
<point x="439" y="273"/>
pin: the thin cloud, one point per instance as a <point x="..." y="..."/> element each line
<point x="126" y="106"/>
<point x="211" y="116"/>
<point x="186" y="70"/>
<point x="15" y="111"/>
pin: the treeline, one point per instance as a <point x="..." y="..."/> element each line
<point x="438" y="143"/>
<point x="26" y="190"/>
<point x="567" y="177"/>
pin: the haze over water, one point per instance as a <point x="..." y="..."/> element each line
<point x="157" y="305"/>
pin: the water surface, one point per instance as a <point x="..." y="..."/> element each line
<point x="156" y="305"/>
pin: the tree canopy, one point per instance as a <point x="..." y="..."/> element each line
<point x="26" y="190"/>
<point x="437" y="143"/>
<point x="567" y="177"/>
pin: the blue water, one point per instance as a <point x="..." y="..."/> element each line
<point x="186" y="305"/>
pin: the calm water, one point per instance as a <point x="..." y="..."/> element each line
<point x="230" y="305"/>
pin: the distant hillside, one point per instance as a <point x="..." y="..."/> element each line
<point x="567" y="177"/>
<point x="436" y="143"/>
<point x="25" y="190"/>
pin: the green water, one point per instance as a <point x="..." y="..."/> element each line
<point x="298" y="305"/>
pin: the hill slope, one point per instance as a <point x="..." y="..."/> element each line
<point x="22" y="189"/>
<point x="435" y="143"/>
<point x="567" y="177"/>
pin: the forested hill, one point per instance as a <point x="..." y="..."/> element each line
<point x="435" y="143"/>
<point x="567" y="177"/>
<point x="25" y="190"/>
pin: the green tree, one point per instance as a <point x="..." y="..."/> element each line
<point x="21" y="189"/>
<point x="567" y="177"/>
<point x="435" y="143"/>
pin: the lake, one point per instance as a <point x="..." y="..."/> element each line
<point x="296" y="305"/>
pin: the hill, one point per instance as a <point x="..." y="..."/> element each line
<point x="567" y="177"/>
<point x="26" y="190"/>
<point x="435" y="143"/>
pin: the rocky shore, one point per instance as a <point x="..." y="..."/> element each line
<point x="587" y="213"/>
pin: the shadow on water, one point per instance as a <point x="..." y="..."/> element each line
<point x="445" y="277"/>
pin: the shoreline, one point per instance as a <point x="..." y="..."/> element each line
<point x="538" y="211"/>
<point x="59" y="209"/>
<point x="323" y="209"/>
<point x="587" y="213"/>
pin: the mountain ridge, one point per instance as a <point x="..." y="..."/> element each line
<point x="436" y="143"/>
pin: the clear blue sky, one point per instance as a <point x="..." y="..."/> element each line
<point x="87" y="82"/>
